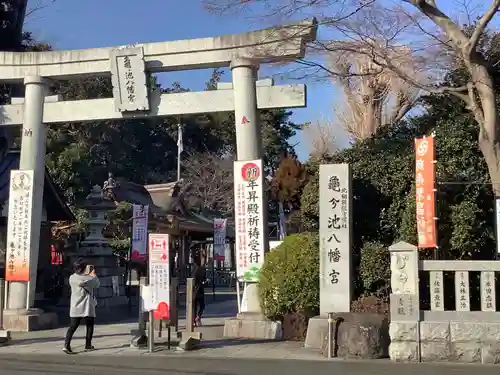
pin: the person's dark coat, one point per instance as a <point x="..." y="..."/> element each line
<point x="199" y="276"/>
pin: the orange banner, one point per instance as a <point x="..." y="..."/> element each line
<point x="425" y="187"/>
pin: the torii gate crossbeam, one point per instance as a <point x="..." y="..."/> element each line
<point x="129" y="68"/>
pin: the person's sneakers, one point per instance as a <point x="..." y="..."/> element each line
<point x="197" y="321"/>
<point x="68" y="350"/>
<point x="89" y="348"/>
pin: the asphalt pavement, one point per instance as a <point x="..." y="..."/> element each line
<point x="169" y="365"/>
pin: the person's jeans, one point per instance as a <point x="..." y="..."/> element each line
<point x="199" y="305"/>
<point x="73" y="326"/>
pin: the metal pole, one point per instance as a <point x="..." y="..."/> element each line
<point x="142" y="321"/>
<point x="2" y="292"/>
<point x="151" y="332"/>
<point x="238" y="294"/>
<point x="128" y="272"/>
<point x="330" y="335"/>
<point x="169" y="337"/>
<point x="213" y="273"/>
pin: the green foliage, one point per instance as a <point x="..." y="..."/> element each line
<point x="289" y="278"/>
<point x="384" y="193"/>
<point x="374" y="268"/>
<point x="118" y="229"/>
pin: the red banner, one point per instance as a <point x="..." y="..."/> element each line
<point x="425" y="188"/>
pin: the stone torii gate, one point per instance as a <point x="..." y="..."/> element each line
<point x="130" y="67"/>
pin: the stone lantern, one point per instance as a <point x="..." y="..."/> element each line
<point x="96" y="251"/>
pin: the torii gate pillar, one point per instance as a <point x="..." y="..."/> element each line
<point x="21" y="295"/>
<point x="248" y="147"/>
<point x="248" y="132"/>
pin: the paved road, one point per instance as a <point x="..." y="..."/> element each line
<point x="171" y="365"/>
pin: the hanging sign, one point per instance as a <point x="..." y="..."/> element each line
<point x="220" y="227"/>
<point x="139" y="232"/>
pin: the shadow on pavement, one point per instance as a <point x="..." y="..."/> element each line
<point x="222" y="343"/>
<point x="34" y="340"/>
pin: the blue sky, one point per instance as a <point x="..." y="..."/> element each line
<point x="76" y="24"/>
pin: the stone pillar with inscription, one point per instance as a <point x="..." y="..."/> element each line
<point x="335" y="285"/>
<point x="95" y="250"/>
<point x="335" y="231"/>
<point x="405" y="303"/>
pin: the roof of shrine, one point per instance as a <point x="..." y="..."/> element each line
<point x="164" y="199"/>
<point x="56" y="207"/>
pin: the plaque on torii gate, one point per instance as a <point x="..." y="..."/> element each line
<point x="129" y="68"/>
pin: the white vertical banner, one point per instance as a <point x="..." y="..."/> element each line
<point x="159" y="274"/>
<point x="249" y="219"/>
<point x="220" y="229"/>
<point x="139" y="232"/>
<point x="335" y="197"/>
<point x="19" y="226"/>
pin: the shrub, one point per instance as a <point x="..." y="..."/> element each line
<point x="289" y="279"/>
<point x="375" y="268"/>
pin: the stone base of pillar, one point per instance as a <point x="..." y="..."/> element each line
<point x="253" y="326"/>
<point x="251" y="323"/>
<point x="29" y="320"/>
<point x="317" y="330"/>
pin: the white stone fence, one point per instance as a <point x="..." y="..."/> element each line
<point x="437" y="334"/>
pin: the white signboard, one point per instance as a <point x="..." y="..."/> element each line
<point x="128" y="76"/>
<point x="159" y="274"/>
<point x="220" y="228"/>
<point x="139" y="232"/>
<point x="249" y="219"/>
<point x="335" y="237"/>
<point x="19" y="226"/>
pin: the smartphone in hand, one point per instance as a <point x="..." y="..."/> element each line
<point x="90" y="270"/>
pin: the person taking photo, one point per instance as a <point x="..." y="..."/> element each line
<point x="83" y="283"/>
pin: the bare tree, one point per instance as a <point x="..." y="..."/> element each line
<point x="207" y="182"/>
<point x="372" y="96"/>
<point x="438" y="45"/>
<point x="322" y="137"/>
<point x="388" y="33"/>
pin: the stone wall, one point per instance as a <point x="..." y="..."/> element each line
<point x="445" y="341"/>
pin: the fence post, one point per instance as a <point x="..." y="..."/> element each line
<point x="189" y="305"/>
<point x="330" y="335"/>
<point x="174" y="314"/>
<point x="405" y="303"/>
<point x="189" y="339"/>
<point x="140" y="338"/>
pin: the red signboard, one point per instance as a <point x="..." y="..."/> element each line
<point x="425" y="189"/>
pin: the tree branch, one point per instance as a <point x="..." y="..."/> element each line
<point x="482" y="24"/>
